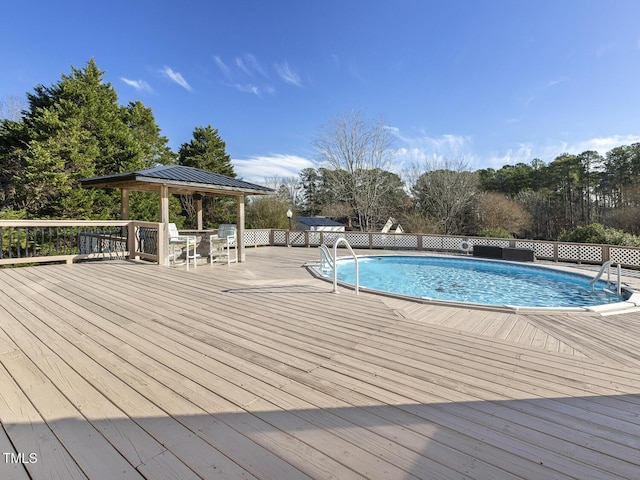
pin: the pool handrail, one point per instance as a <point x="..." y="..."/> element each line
<point x="607" y="266"/>
<point x="326" y="260"/>
<point x="335" y="258"/>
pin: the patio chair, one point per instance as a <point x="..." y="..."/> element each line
<point x="220" y="246"/>
<point x="176" y="241"/>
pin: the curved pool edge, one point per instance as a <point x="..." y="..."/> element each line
<point x="631" y="304"/>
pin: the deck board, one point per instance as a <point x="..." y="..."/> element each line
<point x="256" y="370"/>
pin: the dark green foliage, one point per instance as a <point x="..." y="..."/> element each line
<point x="71" y="130"/>
<point x="496" y="232"/>
<point x="267" y="212"/>
<point x="207" y="151"/>
<point x="598" y="233"/>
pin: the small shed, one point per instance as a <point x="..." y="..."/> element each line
<point x="320" y="224"/>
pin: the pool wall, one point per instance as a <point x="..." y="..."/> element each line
<point x="632" y="299"/>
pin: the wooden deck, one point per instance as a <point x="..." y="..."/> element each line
<point x="123" y="370"/>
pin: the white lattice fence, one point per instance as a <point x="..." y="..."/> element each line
<point x="297" y="238"/>
<point x="279" y="237"/>
<point x="390" y="240"/>
<point x="566" y="252"/>
<point x="492" y="242"/>
<point x="357" y="239"/>
<point x="314" y="239"/>
<point x="405" y="241"/>
<point x="432" y="242"/>
<point x="625" y="256"/>
<point x="329" y="238"/>
<point x="382" y="240"/>
<point x="256" y="237"/>
<point x="452" y="243"/>
<point x="590" y="253"/>
<point x="540" y="249"/>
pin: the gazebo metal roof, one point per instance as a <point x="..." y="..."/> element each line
<point x="179" y="179"/>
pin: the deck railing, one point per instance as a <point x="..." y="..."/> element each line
<point x="543" y="249"/>
<point x="38" y="241"/>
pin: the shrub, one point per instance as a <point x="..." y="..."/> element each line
<point x="495" y="232"/>
<point x="598" y="233"/>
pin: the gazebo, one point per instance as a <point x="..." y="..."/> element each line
<point x="178" y="179"/>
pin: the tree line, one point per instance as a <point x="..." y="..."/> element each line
<point x="76" y="129"/>
<point x="534" y="200"/>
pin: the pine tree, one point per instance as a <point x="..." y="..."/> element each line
<point x="206" y="151"/>
<point x="71" y="130"/>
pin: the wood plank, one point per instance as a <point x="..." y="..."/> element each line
<point x="28" y="430"/>
<point x="192" y="416"/>
<point x="313" y="462"/>
<point x="323" y="385"/>
<point x="11" y="466"/>
<point x="133" y="443"/>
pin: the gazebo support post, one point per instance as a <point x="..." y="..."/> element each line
<point x="240" y="229"/>
<point x="199" y="222"/>
<point x="124" y="204"/>
<point x="164" y="219"/>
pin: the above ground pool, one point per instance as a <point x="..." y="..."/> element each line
<point x="475" y="281"/>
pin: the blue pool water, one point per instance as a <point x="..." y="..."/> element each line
<point x="475" y="281"/>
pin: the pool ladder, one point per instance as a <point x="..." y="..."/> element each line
<point x="327" y="261"/>
<point x="607" y="266"/>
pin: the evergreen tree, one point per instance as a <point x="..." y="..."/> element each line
<point x="12" y="153"/>
<point x="146" y="133"/>
<point x="71" y="130"/>
<point x="207" y="151"/>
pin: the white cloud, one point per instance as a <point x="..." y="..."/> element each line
<point x="176" y="77"/>
<point x="287" y="75"/>
<point x="257" y="169"/>
<point x="417" y="150"/>
<point x="525" y="153"/>
<point x="424" y="149"/>
<point x="241" y="75"/>
<point x="602" y="144"/>
<point x="139" y="85"/>
<point x="522" y="153"/>
<point x="249" y="64"/>
<point x="556" y="81"/>
<point x="222" y="66"/>
<point x="258" y="91"/>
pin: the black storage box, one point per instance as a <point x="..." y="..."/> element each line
<point x="504" y="253"/>
<point x="518" y="254"/>
<point x="487" y="251"/>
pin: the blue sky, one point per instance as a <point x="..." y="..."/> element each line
<point x="490" y="82"/>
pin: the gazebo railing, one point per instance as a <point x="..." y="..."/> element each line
<point x="38" y="241"/>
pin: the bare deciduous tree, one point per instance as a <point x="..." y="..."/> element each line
<point x="11" y="107"/>
<point x="288" y="188"/>
<point x="357" y="154"/>
<point x="496" y="210"/>
<point x="444" y="191"/>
